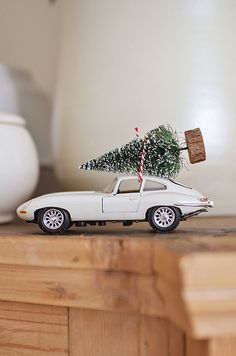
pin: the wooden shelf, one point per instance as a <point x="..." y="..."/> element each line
<point x="115" y="280"/>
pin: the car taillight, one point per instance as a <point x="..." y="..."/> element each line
<point x="203" y="199"/>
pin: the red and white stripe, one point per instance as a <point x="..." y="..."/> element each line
<point x="140" y="175"/>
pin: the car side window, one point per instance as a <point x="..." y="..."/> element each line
<point x="151" y="185"/>
<point x="129" y="186"/>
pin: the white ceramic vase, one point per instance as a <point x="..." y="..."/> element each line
<point x="19" y="94"/>
<point x="19" y="166"/>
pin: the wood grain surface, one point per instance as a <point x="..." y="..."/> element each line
<point x="115" y="291"/>
<point x="211" y="347"/>
<point x="188" y="276"/>
<point x="33" y="330"/>
<point x="115" y="334"/>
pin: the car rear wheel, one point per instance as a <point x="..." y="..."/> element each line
<point x="164" y="218"/>
<point x="54" y="220"/>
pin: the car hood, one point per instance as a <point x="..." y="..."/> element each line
<point x="70" y="193"/>
<point x="62" y="197"/>
<point x="63" y="194"/>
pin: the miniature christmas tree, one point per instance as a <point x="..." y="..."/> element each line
<point x="161" y="150"/>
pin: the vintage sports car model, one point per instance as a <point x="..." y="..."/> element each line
<point x="161" y="202"/>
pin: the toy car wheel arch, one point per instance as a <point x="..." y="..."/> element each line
<point x="164" y="218"/>
<point x="53" y="220"/>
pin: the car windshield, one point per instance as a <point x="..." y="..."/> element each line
<point x="110" y="187"/>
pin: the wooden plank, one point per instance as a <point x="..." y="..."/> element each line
<point x="213" y="324"/>
<point x="197" y="348"/>
<point x="211" y="347"/>
<point x="115" y="334"/>
<point x="109" y="253"/>
<point x="222" y="346"/>
<point x="199" y="297"/>
<point x="199" y="270"/>
<point x="112" y="247"/>
<point x="176" y="341"/>
<point x="131" y="293"/>
<point x="153" y="337"/>
<point x="99" y="333"/>
<point x="33" y="330"/>
<point x="174" y="303"/>
<point x="159" y="337"/>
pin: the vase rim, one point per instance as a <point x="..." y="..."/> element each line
<point x="11" y="119"/>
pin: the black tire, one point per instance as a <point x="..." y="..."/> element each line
<point x="53" y="220"/>
<point x="164" y="219"/>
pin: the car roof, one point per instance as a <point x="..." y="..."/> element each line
<point x="132" y="176"/>
<point x="166" y="181"/>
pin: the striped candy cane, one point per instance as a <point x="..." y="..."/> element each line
<point x="140" y="175"/>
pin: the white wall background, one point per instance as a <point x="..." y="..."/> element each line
<point x="29" y="38"/>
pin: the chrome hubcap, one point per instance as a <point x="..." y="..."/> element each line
<point x="164" y="216"/>
<point x="53" y="219"/>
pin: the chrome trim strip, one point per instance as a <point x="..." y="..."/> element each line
<point x="208" y="204"/>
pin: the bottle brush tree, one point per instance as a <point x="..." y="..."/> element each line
<point x="162" y="153"/>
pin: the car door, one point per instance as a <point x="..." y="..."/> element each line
<point x="125" y="200"/>
<point x="154" y="193"/>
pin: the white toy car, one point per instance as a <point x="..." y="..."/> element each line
<point x="161" y="202"/>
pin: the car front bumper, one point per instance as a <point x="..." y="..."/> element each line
<point x="24" y="212"/>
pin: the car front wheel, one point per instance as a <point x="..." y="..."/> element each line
<point x="53" y="220"/>
<point x="164" y="218"/>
